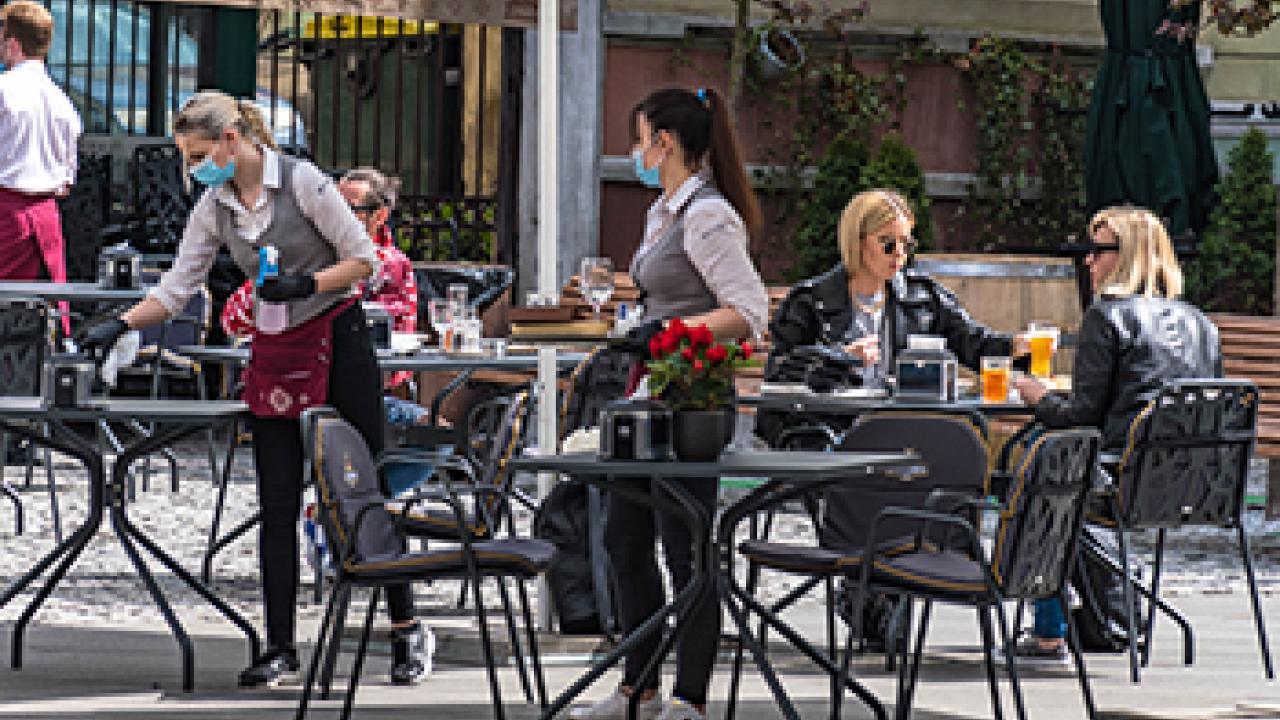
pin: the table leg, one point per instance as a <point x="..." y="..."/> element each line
<point x="206" y="567"/>
<point x="458" y="381"/>
<point x="232" y="535"/>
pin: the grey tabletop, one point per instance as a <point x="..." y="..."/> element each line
<point x="749" y="463"/>
<point x="86" y="291"/>
<point x="167" y="411"/>
<point x="423" y="360"/>
<point x="820" y="403"/>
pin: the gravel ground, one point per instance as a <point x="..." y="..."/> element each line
<point x="103" y="589"/>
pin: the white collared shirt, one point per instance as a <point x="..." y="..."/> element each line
<point x="39" y="128"/>
<point x="317" y="197"/>
<point x="715" y="239"/>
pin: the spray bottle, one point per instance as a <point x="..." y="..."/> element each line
<point x="271" y="316"/>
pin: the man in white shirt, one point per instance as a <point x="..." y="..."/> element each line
<point x="39" y="127"/>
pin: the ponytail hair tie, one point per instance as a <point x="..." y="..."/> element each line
<point x="702" y="95"/>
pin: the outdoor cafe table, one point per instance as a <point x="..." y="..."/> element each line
<point x="828" y="403"/>
<point x="787" y="474"/>
<point x="48" y="427"/>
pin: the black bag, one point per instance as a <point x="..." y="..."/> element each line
<point x="1100" y="620"/>
<point x="577" y="597"/>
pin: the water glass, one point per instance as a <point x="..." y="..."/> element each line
<point x="595" y="281"/>
<point x="457" y="295"/>
<point x="440" y="315"/>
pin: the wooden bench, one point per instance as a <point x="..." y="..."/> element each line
<point x="1250" y="348"/>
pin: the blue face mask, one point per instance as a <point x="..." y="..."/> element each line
<point x="208" y="173"/>
<point x="649" y="176"/>
<point x="3" y="67"/>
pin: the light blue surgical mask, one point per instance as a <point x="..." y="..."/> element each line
<point x="649" y="176"/>
<point x="209" y="174"/>
<point x="3" y="67"/>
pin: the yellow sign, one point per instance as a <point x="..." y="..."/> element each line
<point x="350" y="27"/>
<point x="511" y="13"/>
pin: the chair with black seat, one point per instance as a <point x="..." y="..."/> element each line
<point x="26" y="338"/>
<point x="1186" y="465"/>
<point x="952" y="448"/>
<point x="370" y="548"/>
<point x="485" y="284"/>
<point x="1034" y="551"/>
<point x="85" y="214"/>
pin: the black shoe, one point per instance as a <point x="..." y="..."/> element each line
<point x="412" y="650"/>
<point x="270" y="669"/>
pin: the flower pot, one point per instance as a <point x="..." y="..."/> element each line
<point x="701" y="435"/>
<point x="780" y="53"/>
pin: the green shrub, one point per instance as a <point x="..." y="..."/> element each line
<point x="1235" y="270"/>
<point x="845" y="170"/>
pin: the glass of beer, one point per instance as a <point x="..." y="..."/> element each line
<point x="995" y="379"/>
<point x="1043" y="341"/>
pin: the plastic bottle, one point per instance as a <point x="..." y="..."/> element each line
<point x="272" y="317"/>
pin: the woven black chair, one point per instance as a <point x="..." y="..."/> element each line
<point x="370" y="550"/>
<point x="1186" y="465"/>
<point x="1034" y="552"/>
<point x="951" y="447"/>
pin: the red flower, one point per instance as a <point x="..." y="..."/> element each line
<point x="655" y="346"/>
<point x="697" y="365"/>
<point x="747" y="350"/>
<point x="670" y="342"/>
<point x="717" y="354"/>
<point x="687" y="353"/>
<point x="678" y="328"/>
<point x="701" y="336"/>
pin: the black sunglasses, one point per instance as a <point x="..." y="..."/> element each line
<point x="891" y="246"/>
<point x="1100" y="248"/>
<point x="366" y="208"/>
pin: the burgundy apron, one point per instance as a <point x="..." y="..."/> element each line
<point x="289" y="372"/>
<point x="22" y="219"/>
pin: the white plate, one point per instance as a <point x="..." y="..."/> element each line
<point x="770" y="388"/>
<point x="861" y="393"/>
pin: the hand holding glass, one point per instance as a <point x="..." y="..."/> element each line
<point x="595" y="281"/>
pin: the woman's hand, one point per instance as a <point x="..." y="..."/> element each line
<point x="866" y="349"/>
<point x="1030" y="389"/>
<point x="1021" y="344"/>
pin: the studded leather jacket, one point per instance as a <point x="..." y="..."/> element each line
<point x="819" y="311"/>
<point x="1128" y="347"/>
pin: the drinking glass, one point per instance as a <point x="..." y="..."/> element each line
<point x="595" y="281"/>
<point x="440" y="315"/>
<point x="1043" y="341"/>
<point x="457" y="295"/>
<point x="995" y="379"/>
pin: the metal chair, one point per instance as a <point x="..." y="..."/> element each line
<point x="1034" y="552"/>
<point x="370" y="547"/>
<point x="26" y="338"/>
<point x="952" y="448"/>
<point x="1186" y="465"/>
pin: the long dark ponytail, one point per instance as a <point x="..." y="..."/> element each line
<point x="701" y="124"/>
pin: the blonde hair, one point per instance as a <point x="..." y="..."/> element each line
<point x="1147" y="264"/>
<point x="30" y="24"/>
<point x="209" y="112"/>
<point x="866" y="213"/>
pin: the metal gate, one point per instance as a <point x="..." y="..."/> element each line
<point x="434" y="105"/>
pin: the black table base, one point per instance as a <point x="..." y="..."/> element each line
<point x="108" y="499"/>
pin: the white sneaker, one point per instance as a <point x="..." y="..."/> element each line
<point x="678" y="709"/>
<point x="614" y="707"/>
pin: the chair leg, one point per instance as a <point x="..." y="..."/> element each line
<point x="16" y="499"/>
<point x="356" y="669"/>
<point x="335" y="645"/>
<point x="891" y="633"/>
<point x="309" y="683"/>
<point x="516" y="651"/>
<point x="495" y="692"/>
<point x="1011" y="662"/>
<point x="54" y="510"/>
<point x="1073" y="644"/>
<point x="900" y="706"/>
<point x="1150" y="624"/>
<point x="1131" y="622"/>
<point x="837" y="695"/>
<point x="830" y="589"/>
<point x="1247" y="556"/>
<point x="735" y="677"/>
<point x="988" y="651"/>
<point x="914" y="674"/>
<point x="534" y="654"/>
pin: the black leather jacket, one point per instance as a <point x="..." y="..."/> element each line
<point x="818" y="311"/>
<point x="1128" y="348"/>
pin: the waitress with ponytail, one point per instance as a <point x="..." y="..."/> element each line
<point x="258" y="198"/>
<point x="693" y="265"/>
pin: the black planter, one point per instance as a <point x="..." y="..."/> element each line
<point x="701" y="435"/>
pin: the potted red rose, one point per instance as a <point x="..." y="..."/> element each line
<point x="692" y="374"/>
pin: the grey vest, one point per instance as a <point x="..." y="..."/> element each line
<point x="302" y="248"/>
<point x="670" y="284"/>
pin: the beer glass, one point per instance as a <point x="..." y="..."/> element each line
<point x="995" y="379"/>
<point x="1043" y="341"/>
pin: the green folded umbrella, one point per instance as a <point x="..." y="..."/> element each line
<point x="1148" y="139"/>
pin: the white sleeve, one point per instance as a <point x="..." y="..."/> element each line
<point x="716" y="241"/>
<point x="318" y="198"/>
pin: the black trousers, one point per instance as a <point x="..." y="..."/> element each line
<point x="355" y="391"/>
<point x="629" y="538"/>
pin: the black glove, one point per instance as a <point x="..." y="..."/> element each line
<point x="280" y="288"/>
<point x="100" y="338"/>
<point x="636" y="341"/>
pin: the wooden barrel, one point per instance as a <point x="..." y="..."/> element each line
<point x="1008" y="291"/>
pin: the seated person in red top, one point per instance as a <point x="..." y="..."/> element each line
<point x="371" y="196"/>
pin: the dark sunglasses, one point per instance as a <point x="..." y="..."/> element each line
<point x="1100" y="248"/>
<point x="366" y="208"/>
<point x="891" y="246"/>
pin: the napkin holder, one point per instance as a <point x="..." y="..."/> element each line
<point x="119" y="267"/>
<point x="380" y="324"/>
<point x="926" y="371"/>
<point x="68" y="381"/>
<point x="635" y="430"/>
